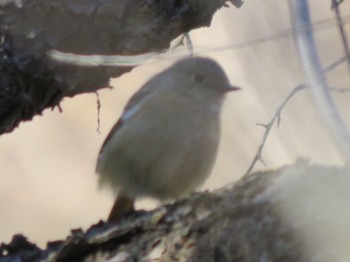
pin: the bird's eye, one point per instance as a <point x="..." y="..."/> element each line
<point x="198" y="78"/>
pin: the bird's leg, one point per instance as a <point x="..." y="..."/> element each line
<point x="123" y="204"/>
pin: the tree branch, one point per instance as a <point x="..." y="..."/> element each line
<point x="278" y="215"/>
<point x="30" y="81"/>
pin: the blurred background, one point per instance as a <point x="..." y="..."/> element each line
<point x="47" y="166"/>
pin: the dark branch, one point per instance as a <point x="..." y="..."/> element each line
<point x="30" y="81"/>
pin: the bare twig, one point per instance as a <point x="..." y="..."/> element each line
<point x="277" y="115"/>
<point x="268" y="126"/>
<point x="335" y="7"/>
<point x="335" y="64"/>
<point x="336" y="3"/>
<point x="98" y="112"/>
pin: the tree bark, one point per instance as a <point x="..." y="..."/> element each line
<point x="296" y="213"/>
<point x="30" y="81"/>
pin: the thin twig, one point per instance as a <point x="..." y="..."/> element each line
<point x="268" y="126"/>
<point x="277" y="115"/>
<point x="336" y="3"/>
<point x="335" y="64"/>
<point x="98" y="113"/>
<point x="335" y="7"/>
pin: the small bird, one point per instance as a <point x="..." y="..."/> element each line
<point x="165" y="143"/>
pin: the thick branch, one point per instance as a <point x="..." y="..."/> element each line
<point x="297" y="213"/>
<point x="31" y="82"/>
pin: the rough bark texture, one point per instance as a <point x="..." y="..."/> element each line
<point x="250" y="221"/>
<point x="31" y="82"/>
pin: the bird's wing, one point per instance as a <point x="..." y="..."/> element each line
<point x="131" y="107"/>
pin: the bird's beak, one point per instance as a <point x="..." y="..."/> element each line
<point x="232" y="88"/>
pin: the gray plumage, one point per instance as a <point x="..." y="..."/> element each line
<point x="165" y="143"/>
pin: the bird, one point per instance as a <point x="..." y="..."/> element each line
<point x="165" y="143"/>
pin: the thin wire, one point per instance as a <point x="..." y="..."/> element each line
<point x="317" y="26"/>
<point x="93" y="60"/>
